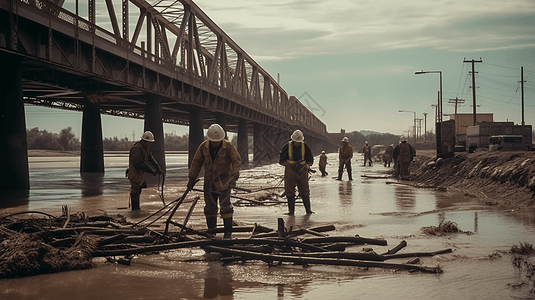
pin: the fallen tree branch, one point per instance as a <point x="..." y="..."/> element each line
<point x="397" y="248"/>
<point x="355" y="240"/>
<point x="324" y="261"/>
<point x="415" y="254"/>
<point x="204" y="243"/>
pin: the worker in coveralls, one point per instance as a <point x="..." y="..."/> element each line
<point x="345" y="154"/>
<point x="323" y="163"/>
<point x="367" y="150"/>
<point x="297" y="159"/>
<point x="403" y="155"/>
<point x="221" y="163"/>
<point x="140" y="160"/>
<point x="387" y="158"/>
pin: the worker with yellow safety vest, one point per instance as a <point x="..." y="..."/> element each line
<point x="297" y="159"/>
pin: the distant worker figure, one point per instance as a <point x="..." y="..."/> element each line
<point x="296" y="157"/>
<point x="403" y="155"/>
<point x="323" y="164"/>
<point x="345" y="154"/>
<point x="221" y="163"/>
<point x="140" y="160"/>
<point x="387" y="158"/>
<point x="367" y="150"/>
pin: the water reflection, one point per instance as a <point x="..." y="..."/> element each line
<point x="14" y="198"/>
<point x="218" y="282"/>
<point x="345" y="191"/>
<point x="92" y="183"/>
<point x="405" y="197"/>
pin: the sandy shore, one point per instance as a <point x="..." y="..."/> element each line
<point x="49" y="153"/>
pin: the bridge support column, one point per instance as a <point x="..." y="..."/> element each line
<point x="258" y="145"/>
<point x="196" y="134"/>
<point x="243" y="142"/>
<point x="92" y="151"/>
<point x="221" y="119"/>
<point x="153" y="123"/>
<point x="14" y="171"/>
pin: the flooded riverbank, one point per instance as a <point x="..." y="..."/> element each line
<point x="366" y="206"/>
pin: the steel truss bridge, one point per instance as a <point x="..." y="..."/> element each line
<point x="161" y="61"/>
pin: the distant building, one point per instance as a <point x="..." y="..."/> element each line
<point x="462" y="121"/>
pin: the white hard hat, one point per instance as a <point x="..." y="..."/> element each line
<point x="322" y="152"/>
<point x="148" y="136"/>
<point x="215" y="133"/>
<point x="297" y="136"/>
<point x="345" y="139"/>
<point x="402" y="138"/>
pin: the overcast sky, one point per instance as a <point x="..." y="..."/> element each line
<point x="354" y="61"/>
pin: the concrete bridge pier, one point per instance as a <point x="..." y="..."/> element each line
<point x="196" y="133"/>
<point x="243" y="142"/>
<point x="92" y="150"/>
<point x="258" y="145"/>
<point x="153" y="123"/>
<point x="14" y="171"/>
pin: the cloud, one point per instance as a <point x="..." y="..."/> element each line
<point x="295" y="28"/>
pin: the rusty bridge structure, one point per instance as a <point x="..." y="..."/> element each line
<point x="162" y="61"/>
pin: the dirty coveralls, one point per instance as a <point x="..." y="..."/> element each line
<point x="345" y="154"/>
<point x="387" y="158"/>
<point x="297" y="161"/>
<point x="322" y="164"/>
<point x="140" y="160"/>
<point x="221" y="169"/>
<point x="367" y="150"/>
<point x="403" y="155"/>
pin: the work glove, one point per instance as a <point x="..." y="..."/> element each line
<point x="191" y="183"/>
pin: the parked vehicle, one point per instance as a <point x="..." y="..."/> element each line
<point x="506" y="142"/>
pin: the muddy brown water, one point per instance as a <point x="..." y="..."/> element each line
<point x="368" y="207"/>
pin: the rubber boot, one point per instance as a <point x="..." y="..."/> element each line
<point x="228" y="228"/>
<point x="211" y="222"/>
<point x="306" y="203"/>
<point x="291" y="205"/>
<point x="134" y="200"/>
<point x="350" y="175"/>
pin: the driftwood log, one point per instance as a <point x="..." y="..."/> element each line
<point x="325" y="261"/>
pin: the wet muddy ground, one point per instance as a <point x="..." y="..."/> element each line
<point x="371" y="207"/>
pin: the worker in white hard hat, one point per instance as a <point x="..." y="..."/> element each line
<point x="140" y="160"/>
<point x="323" y="163"/>
<point x="367" y="150"/>
<point x="345" y="154"/>
<point x="221" y="163"/>
<point x="297" y="159"/>
<point x="403" y="155"/>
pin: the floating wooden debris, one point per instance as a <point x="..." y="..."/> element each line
<point x="36" y="243"/>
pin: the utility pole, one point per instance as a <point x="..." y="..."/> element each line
<point x="474" y="83"/>
<point x="425" y="127"/>
<point x="456" y="101"/>
<point x="522" y="88"/>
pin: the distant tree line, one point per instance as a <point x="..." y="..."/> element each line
<point x="42" y="139"/>
<point x="66" y="141"/>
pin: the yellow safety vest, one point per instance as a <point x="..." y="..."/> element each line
<point x="290" y="156"/>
